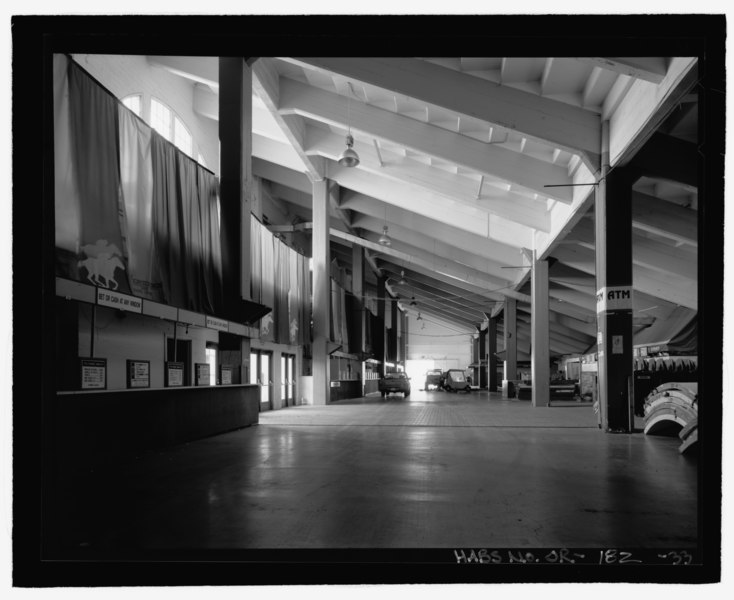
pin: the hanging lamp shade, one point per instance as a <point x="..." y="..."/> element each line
<point x="419" y="318"/>
<point x="402" y="278"/>
<point x="413" y="302"/>
<point x="349" y="158"/>
<point x="384" y="238"/>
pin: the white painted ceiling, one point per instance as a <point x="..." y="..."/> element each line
<point x="456" y="156"/>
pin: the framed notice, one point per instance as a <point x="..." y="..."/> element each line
<point x="174" y="374"/>
<point x="138" y="373"/>
<point x="202" y="373"/>
<point x="225" y="375"/>
<point x="93" y="373"/>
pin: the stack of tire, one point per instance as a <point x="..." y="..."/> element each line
<point x="673" y="408"/>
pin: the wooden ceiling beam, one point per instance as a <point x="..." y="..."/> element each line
<point x="393" y="167"/>
<point x="520" y="224"/>
<point x="419" y="244"/>
<point x="265" y="82"/>
<point x="438" y="229"/>
<point x="647" y="68"/>
<point x="664" y="218"/>
<point x="549" y="121"/>
<point x="490" y="160"/>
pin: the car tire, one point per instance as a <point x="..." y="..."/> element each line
<point x="384" y="394"/>
<point x="406" y="394"/>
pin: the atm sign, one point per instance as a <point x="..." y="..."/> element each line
<point x="614" y="298"/>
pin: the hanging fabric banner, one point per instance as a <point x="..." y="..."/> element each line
<point x="136" y="176"/>
<point x="267" y="323"/>
<point x="95" y="147"/>
<point x="282" y="253"/>
<point x="211" y="247"/>
<point x="66" y="195"/>
<point x="343" y="318"/>
<point x="256" y="230"/>
<point x="133" y="214"/>
<point x="166" y="215"/>
<point x="295" y="292"/>
<point x="306" y="285"/>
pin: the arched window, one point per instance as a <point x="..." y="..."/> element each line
<point x="133" y="102"/>
<point x="167" y="123"/>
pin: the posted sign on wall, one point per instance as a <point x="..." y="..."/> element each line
<point x="202" y="374"/>
<point x="614" y="298"/>
<point x="174" y="374"/>
<point x="218" y="324"/>
<point x="93" y="373"/>
<point x="118" y="300"/>
<point x="138" y="373"/>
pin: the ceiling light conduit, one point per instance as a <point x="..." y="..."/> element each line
<point x="349" y="158"/>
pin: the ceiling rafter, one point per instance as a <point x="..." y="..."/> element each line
<point x="487" y="159"/>
<point x="265" y="82"/>
<point x="569" y="127"/>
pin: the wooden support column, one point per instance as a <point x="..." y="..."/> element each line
<point x="379" y="341"/>
<point x="358" y="291"/>
<point x="510" y="343"/>
<point x="236" y="179"/>
<point x="321" y="255"/>
<point x="393" y="338"/>
<point x="539" y="339"/>
<point x="403" y="338"/>
<point x="482" y="356"/>
<point x="614" y="292"/>
<point x="235" y="193"/>
<point x="492" y="351"/>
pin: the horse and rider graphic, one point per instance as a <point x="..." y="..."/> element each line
<point x="103" y="259"/>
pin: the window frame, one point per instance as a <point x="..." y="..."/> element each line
<point x="173" y="119"/>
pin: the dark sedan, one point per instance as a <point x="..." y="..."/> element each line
<point x="394" y="382"/>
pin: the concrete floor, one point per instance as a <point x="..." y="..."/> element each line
<point x="437" y="470"/>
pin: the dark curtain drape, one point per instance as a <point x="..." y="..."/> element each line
<point x="256" y="232"/>
<point x="190" y="223"/>
<point x="133" y="213"/>
<point x="369" y="333"/>
<point x="354" y="316"/>
<point x="306" y="285"/>
<point x="186" y="231"/>
<point x="167" y="221"/>
<point x="93" y="118"/>
<point x="211" y="248"/>
<point x="282" y="285"/>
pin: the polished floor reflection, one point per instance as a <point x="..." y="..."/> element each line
<point x="436" y="470"/>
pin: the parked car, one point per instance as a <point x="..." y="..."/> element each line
<point x="394" y="382"/>
<point x="454" y="380"/>
<point x="433" y="379"/>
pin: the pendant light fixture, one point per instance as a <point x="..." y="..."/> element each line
<point x="349" y="158"/>
<point x="384" y="238"/>
<point x="413" y="302"/>
<point x="402" y="278"/>
<point x="419" y="318"/>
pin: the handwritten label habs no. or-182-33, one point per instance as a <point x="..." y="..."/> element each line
<point x="610" y="556"/>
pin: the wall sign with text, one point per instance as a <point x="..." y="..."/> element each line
<point x="117" y="300"/>
<point x="174" y="374"/>
<point x="138" y="373"/>
<point x="202" y="373"/>
<point x="614" y="298"/>
<point x="93" y="373"/>
<point x="218" y="324"/>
